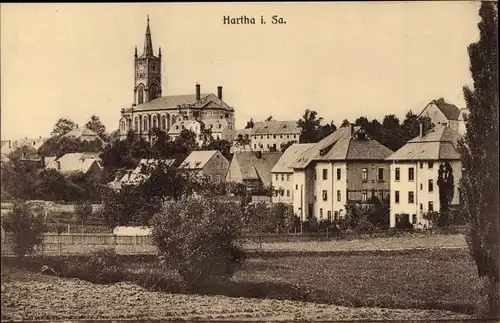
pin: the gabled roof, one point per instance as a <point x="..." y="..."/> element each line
<point x="344" y="144"/>
<point x="438" y="144"/>
<point x="83" y="133"/>
<point x="253" y="167"/>
<point x="450" y="111"/>
<point x="289" y="157"/>
<point x="137" y="175"/>
<point x="198" y="159"/>
<point x="216" y="125"/>
<point x="177" y="127"/>
<point x="73" y="162"/>
<point x="172" y="102"/>
<point x="275" y="127"/>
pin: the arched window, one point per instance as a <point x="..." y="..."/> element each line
<point x="155" y="121"/>
<point x="137" y="123"/>
<point x="122" y="126"/>
<point x="140" y="94"/>
<point x="145" y="124"/>
<point x="163" y="122"/>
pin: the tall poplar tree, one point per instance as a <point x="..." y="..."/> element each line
<point x="479" y="155"/>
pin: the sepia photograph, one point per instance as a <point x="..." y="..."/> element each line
<point x="251" y="162"/>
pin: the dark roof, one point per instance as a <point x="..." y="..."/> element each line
<point x="439" y="144"/>
<point x="450" y="111"/>
<point x="172" y="102"/>
<point x="344" y="144"/>
<point x="275" y="127"/>
<point x="253" y="167"/>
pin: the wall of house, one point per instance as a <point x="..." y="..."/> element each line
<point x="403" y="186"/>
<point x="264" y="141"/>
<point x="216" y="168"/>
<point x="358" y="188"/>
<point x="233" y="173"/>
<point x="303" y="191"/>
<point x="424" y="197"/>
<point x="330" y="206"/>
<point x="285" y="182"/>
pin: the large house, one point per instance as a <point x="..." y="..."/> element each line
<point x="71" y="163"/>
<point x="209" y="163"/>
<point x="152" y="110"/>
<point x="268" y="135"/>
<point x="282" y="173"/>
<point x="414" y="174"/>
<point x="346" y="166"/>
<point x="191" y="125"/>
<point x="443" y="113"/>
<point x="252" y="168"/>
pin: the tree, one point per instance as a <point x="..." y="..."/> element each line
<point x="198" y="237"/>
<point x="84" y="211"/>
<point x="62" y="127"/>
<point x="345" y="123"/>
<point x="250" y="124"/>
<point x="27" y="228"/>
<point x="479" y="155"/>
<point x="221" y="145"/>
<point x="18" y="177"/>
<point x="309" y="123"/>
<point x="446" y="186"/>
<point x="98" y="127"/>
<point x="287" y="144"/>
<point x="411" y="125"/>
<point x="325" y="130"/>
<point x="270" y="118"/>
<point x="59" y="146"/>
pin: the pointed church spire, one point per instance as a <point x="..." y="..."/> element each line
<point x="148" y="44"/>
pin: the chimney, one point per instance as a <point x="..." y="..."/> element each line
<point x="352" y="128"/>
<point x="421" y="129"/>
<point x="198" y="94"/>
<point x="219" y="92"/>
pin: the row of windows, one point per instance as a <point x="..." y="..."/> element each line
<point x="282" y="193"/>
<point x="364" y="174"/>
<point x="275" y="136"/>
<point x="411" y="200"/>
<point x="288" y="177"/>
<point x="411" y="171"/>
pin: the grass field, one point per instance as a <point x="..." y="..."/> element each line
<point x="372" y="285"/>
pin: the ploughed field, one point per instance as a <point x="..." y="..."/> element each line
<point x="400" y="285"/>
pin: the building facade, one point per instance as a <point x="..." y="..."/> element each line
<point x="252" y="168"/>
<point x="346" y="166"/>
<point x="152" y="110"/>
<point x="270" y="135"/>
<point x="414" y="174"/>
<point x="210" y="164"/>
<point x="443" y="113"/>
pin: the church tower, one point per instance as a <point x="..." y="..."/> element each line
<point x="147" y="72"/>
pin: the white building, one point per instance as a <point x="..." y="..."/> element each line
<point x="414" y="174"/>
<point x="346" y="166"/>
<point x="282" y="174"/>
<point x="443" y="113"/>
<point x="271" y="135"/>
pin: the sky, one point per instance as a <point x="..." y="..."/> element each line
<point x="341" y="59"/>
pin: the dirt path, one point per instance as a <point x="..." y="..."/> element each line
<point x="29" y="296"/>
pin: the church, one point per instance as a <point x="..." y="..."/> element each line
<point x="171" y="113"/>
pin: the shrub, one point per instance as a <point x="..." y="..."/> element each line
<point x="156" y="279"/>
<point x="84" y="210"/>
<point x="27" y="228"/>
<point x="197" y="237"/>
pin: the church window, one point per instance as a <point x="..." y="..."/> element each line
<point x="155" y="122"/>
<point x="163" y="122"/>
<point x="140" y="95"/>
<point x="145" y="123"/>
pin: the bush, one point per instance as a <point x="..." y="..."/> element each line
<point x="156" y="279"/>
<point x="84" y="210"/>
<point x="27" y="228"/>
<point x="197" y="237"/>
<point x="102" y="267"/>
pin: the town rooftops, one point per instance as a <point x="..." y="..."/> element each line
<point x="438" y="144"/>
<point x="289" y="157"/>
<point x="138" y="174"/>
<point x="347" y="143"/>
<point x="174" y="102"/>
<point x="83" y="133"/>
<point x="256" y="165"/>
<point x="450" y="111"/>
<point x="275" y="127"/>
<point x="198" y="159"/>
<point x="74" y="162"/>
<point x="216" y="125"/>
<point x="177" y="127"/>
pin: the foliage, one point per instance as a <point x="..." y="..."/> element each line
<point x="101" y="267"/>
<point x="197" y="236"/>
<point x="18" y="177"/>
<point x="479" y="155"/>
<point x="27" y="228"/>
<point x="287" y="144"/>
<point x="59" y="146"/>
<point x="98" y="127"/>
<point x="345" y="123"/>
<point x="367" y="216"/>
<point x="256" y="217"/>
<point x="62" y="127"/>
<point x="270" y="118"/>
<point x="446" y="186"/>
<point x="84" y="210"/>
<point x="221" y="145"/>
<point x="250" y="124"/>
<point x="311" y="128"/>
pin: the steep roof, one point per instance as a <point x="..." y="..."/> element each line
<point x="73" y="162"/>
<point x="198" y="159"/>
<point x="83" y="133"/>
<point x="438" y="144"/>
<point x="253" y="167"/>
<point x="344" y="144"/>
<point x="450" y="111"/>
<point x="289" y="157"/>
<point x="172" y="102"/>
<point x="275" y="127"/>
